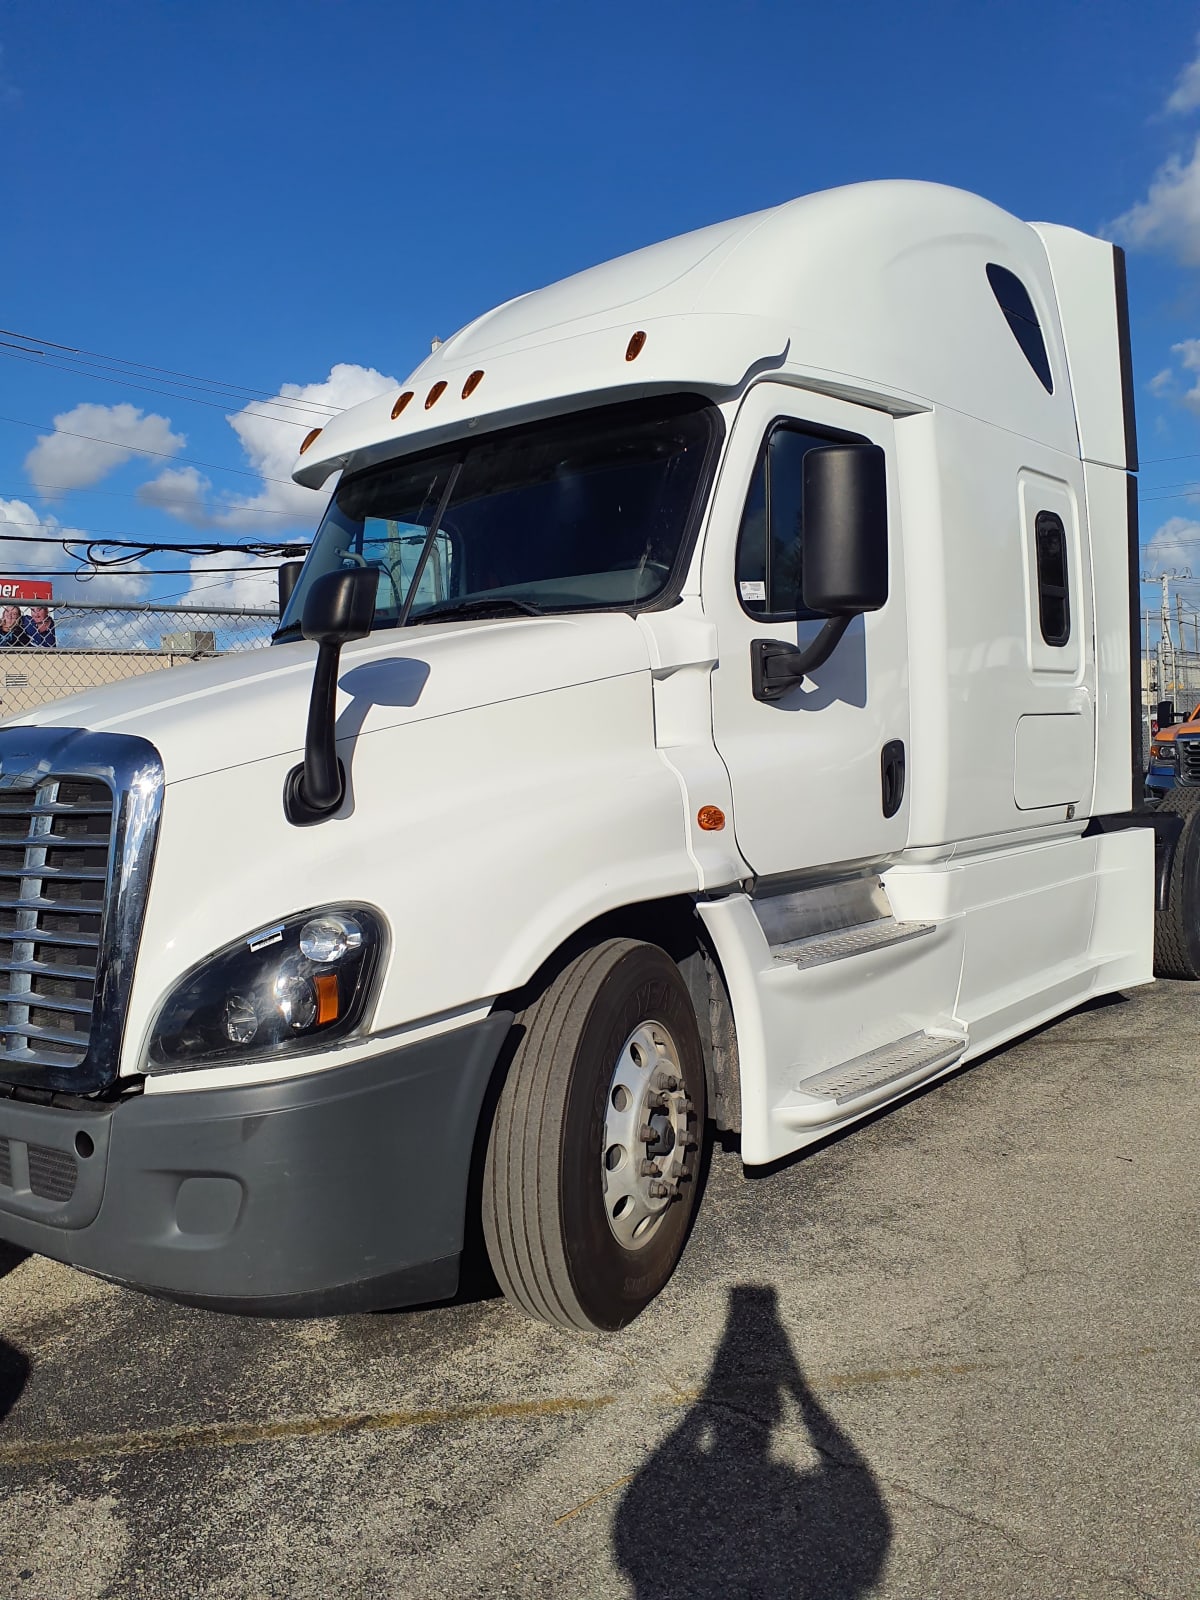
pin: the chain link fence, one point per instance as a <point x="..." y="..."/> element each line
<point x="92" y="644"/>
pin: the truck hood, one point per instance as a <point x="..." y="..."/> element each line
<point x="210" y="716"/>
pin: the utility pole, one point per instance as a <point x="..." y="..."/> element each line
<point x="1167" y="665"/>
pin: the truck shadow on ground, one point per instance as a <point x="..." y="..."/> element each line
<point x="11" y="1257"/>
<point x="14" y="1372"/>
<point x="718" y="1509"/>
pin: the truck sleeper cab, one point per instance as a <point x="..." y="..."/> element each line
<point x="708" y="699"/>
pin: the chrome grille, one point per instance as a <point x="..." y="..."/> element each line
<point x="55" y="841"/>
<point x="1189" y="760"/>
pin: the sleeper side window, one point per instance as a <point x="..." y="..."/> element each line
<point x="1054" y="602"/>
<point x="768" y="563"/>
<point x="1013" y="299"/>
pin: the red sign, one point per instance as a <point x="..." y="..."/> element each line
<point x="25" y="589"/>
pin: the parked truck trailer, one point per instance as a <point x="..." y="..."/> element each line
<point x="710" y="700"/>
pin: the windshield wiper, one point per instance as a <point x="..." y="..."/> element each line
<point x="499" y="605"/>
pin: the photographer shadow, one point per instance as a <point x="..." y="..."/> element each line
<point x="718" y="1510"/>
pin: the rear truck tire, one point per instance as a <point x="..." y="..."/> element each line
<point x="1177" y="929"/>
<point x="592" y="1170"/>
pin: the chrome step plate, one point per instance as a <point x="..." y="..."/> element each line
<point x="919" y="1052"/>
<point x="815" y="952"/>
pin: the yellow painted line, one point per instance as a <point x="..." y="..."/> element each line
<point x="225" y="1435"/>
<point x="222" y="1435"/>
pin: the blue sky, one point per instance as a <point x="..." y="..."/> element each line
<point x="297" y="197"/>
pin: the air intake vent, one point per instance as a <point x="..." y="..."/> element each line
<point x="1189" y="761"/>
<point x="55" y="843"/>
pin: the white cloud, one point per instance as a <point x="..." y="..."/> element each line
<point x="271" y="445"/>
<point x="181" y="491"/>
<point x="1185" y="96"/>
<point x="90" y="440"/>
<point x="254" y="587"/>
<point x="1175" y="547"/>
<point x="19" y="522"/>
<point x="270" y="439"/>
<point x="1169" y="217"/>
<point x="1162" y="382"/>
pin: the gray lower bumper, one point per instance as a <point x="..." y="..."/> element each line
<point x="343" y="1190"/>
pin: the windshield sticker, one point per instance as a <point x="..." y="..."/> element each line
<point x="753" y="591"/>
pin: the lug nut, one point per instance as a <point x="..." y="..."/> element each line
<point x="647" y="1135"/>
<point x="660" y="1191"/>
<point x="651" y="1169"/>
<point x="666" y="1080"/>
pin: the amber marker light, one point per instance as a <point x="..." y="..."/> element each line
<point x="472" y="383"/>
<point x="634" y="348"/>
<point x="401" y="403"/>
<point x="435" y="394"/>
<point x="308" y="439"/>
<point x="711" y="818"/>
<point x="326" y="985"/>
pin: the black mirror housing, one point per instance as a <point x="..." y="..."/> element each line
<point x="288" y="576"/>
<point x="845" y="553"/>
<point x="341" y="606"/>
<point x="1166" y="714"/>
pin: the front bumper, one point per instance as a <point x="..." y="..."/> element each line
<point x="1160" y="779"/>
<point x="343" y="1190"/>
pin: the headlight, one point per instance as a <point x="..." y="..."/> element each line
<point x="294" y="986"/>
<point x="1162" y="752"/>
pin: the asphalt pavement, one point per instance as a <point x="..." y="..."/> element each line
<point x="952" y="1354"/>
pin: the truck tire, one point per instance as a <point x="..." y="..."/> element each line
<point x="591" y="1175"/>
<point x="1177" y="930"/>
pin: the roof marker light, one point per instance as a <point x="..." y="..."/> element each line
<point x="401" y="403"/>
<point x="308" y="439"/>
<point x="634" y="348"/>
<point x="472" y="383"/>
<point x="711" y="818"/>
<point x="435" y="394"/>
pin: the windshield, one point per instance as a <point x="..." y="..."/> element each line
<point x="588" y="512"/>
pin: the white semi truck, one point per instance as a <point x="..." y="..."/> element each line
<point x="709" y="699"/>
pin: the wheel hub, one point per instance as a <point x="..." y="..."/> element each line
<point x="647" y="1135"/>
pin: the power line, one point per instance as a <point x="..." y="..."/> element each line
<point x="125" y="381"/>
<point x="91" y="574"/>
<point x="75" y="535"/>
<point x="179" y="379"/>
<point x="144" y="450"/>
<point x="153" y="505"/>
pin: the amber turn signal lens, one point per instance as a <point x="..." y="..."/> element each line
<point x="472" y="384"/>
<point x="634" y="348"/>
<point x="435" y="393"/>
<point x="326" y="985"/>
<point x="711" y="818"/>
<point x="401" y="403"/>
<point x="308" y="439"/>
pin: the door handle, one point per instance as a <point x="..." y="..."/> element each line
<point x="891" y="772"/>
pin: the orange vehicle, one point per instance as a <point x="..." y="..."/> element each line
<point x="1164" y="764"/>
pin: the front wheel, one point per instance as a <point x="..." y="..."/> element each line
<point x="592" y="1165"/>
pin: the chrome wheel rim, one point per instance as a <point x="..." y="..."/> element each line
<point x="648" y="1133"/>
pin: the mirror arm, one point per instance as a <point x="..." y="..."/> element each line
<point x="776" y="667"/>
<point x="316" y="789"/>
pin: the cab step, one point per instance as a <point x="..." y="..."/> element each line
<point x="820" y="948"/>
<point x="914" y="1056"/>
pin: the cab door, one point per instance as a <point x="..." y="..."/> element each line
<point x="819" y="776"/>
